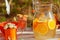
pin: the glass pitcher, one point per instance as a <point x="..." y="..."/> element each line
<point x="44" y="23"/>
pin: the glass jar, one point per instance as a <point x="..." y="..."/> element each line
<point x="44" y="23"/>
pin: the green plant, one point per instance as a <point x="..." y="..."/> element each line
<point x="2" y="19"/>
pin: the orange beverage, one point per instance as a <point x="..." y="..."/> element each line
<point x="10" y="34"/>
<point x="22" y="21"/>
<point x="44" y="29"/>
<point x="6" y="34"/>
<point x="13" y="34"/>
<point x="22" y="24"/>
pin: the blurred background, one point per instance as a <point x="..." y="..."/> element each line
<point x="25" y="7"/>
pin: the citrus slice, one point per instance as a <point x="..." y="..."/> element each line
<point x="35" y="22"/>
<point x="41" y="28"/>
<point x="51" y="24"/>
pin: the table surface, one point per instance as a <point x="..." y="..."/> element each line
<point x="28" y="35"/>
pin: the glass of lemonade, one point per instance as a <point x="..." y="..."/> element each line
<point x="44" y="23"/>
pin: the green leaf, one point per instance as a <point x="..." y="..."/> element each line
<point x="2" y="19"/>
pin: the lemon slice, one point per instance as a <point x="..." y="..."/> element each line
<point x="51" y="24"/>
<point x="41" y="28"/>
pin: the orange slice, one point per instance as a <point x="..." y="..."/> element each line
<point x="35" y="22"/>
<point x="41" y="28"/>
<point x="51" y="24"/>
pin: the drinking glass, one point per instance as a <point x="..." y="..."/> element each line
<point x="10" y="34"/>
<point x="22" y="22"/>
